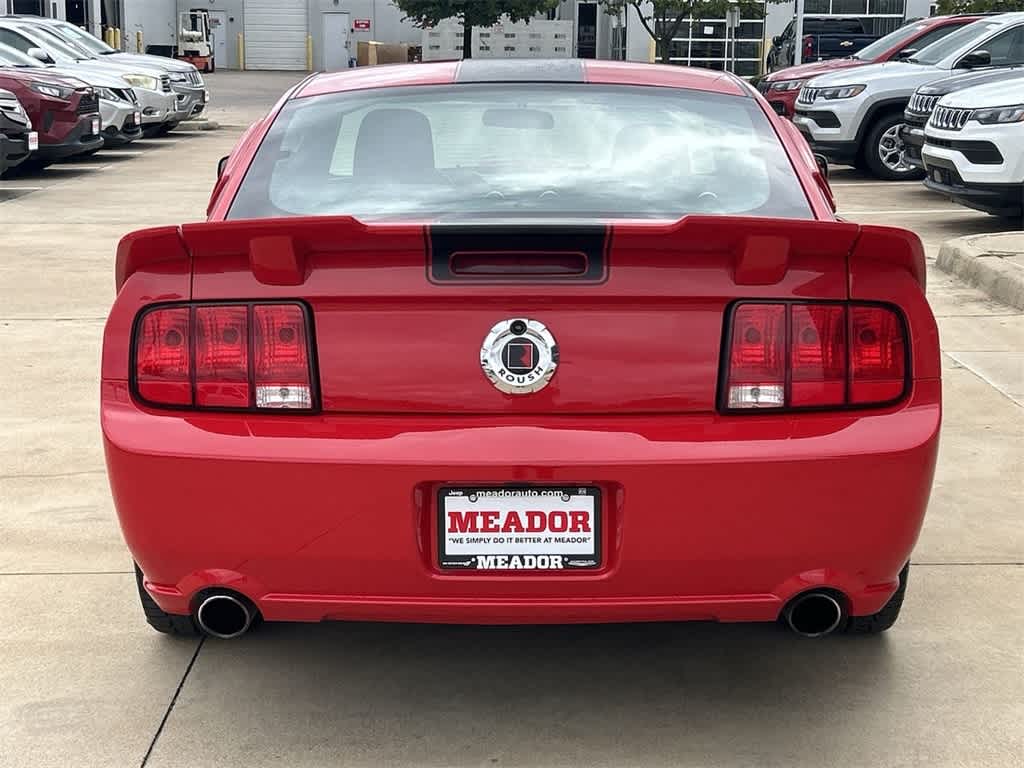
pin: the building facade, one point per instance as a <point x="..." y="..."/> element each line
<point x="294" y="34"/>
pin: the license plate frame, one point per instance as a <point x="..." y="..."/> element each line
<point x="572" y="549"/>
<point x="33" y="141"/>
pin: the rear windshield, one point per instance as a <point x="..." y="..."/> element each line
<point x="559" y="150"/>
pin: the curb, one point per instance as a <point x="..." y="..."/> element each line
<point x="985" y="267"/>
<point x="201" y="125"/>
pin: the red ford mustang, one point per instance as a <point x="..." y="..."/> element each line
<point x="518" y="342"/>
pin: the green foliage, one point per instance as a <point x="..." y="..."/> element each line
<point x="476" y="13"/>
<point x="980" y="6"/>
<point x="668" y="16"/>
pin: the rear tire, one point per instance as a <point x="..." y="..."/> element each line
<point x="883" y="151"/>
<point x="885" y="618"/>
<point x="160" y="620"/>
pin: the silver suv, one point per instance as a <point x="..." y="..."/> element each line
<point x="855" y="116"/>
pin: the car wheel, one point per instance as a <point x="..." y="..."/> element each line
<point x="884" y="151"/>
<point x="885" y="618"/>
<point x="160" y="620"/>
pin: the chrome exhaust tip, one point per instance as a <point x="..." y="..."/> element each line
<point x="223" y="615"/>
<point x="814" y="614"/>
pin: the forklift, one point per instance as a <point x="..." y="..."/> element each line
<point x="195" y="43"/>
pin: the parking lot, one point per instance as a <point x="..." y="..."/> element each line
<point x="86" y="682"/>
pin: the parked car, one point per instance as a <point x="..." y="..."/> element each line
<point x="63" y="111"/>
<point x="515" y="367"/>
<point x="781" y="87"/>
<point x="186" y="80"/>
<point x="17" y="139"/>
<point x="921" y="104"/>
<point x="974" y="147"/>
<point x="121" y="117"/>
<point x="824" y="38"/>
<point x="151" y="86"/>
<point x="855" y="117"/>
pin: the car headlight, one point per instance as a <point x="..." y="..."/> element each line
<point x="57" y="91"/>
<point x="786" y="85"/>
<point x="109" y="95"/>
<point x="841" y="92"/>
<point x="146" y="82"/>
<point x="178" y="77"/>
<point x="996" y="115"/>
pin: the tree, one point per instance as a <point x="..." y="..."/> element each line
<point x="473" y="13"/>
<point x="980" y="6"/>
<point x="666" y="17"/>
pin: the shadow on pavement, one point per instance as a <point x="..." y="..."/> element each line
<point x="641" y="694"/>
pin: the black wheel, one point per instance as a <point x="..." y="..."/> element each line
<point x="883" y="150"/>
<point x="885" y="618"/>
<point x="158" y="619"/>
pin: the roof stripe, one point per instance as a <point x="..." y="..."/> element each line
<point x="520" y="71"/>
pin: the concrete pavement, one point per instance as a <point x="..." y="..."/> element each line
<point x="86" y="683"/>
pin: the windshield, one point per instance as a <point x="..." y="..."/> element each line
<point x="890" y="41"/>
<point x="82" y="38"/>
<point x="12" y="57"/>
<point x="953" y="42"/>
<point x="487" y="151"/>
<point x="54" y="45"/>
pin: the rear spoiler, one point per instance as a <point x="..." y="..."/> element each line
<point x="277" y="250"/>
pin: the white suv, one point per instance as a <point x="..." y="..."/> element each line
<point x="855" y="116"/>
<point x="974" y="147"/>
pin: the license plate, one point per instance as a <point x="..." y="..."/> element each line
<point x="137" y="118"/>
<point x="33" y="141"/>
<point x="206" y="97"/>
<point x="545" y="528"/>
<point x="95" y="126"/>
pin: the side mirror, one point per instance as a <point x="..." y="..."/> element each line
<point x="777" y="41"/>
<point x="822" y="162"/>
<point x="975" y="59"/>
<point x="40" y="55"/>
<point x="221" y="165"/>
<point x="905" y="54"/>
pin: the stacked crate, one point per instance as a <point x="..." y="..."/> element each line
<point x="538" y="39"/>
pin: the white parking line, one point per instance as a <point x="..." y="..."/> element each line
<point x="918" y="212"/>
<point x="875" y="184"/>
<point x="5" y="188"/>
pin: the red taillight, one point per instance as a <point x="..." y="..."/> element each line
<point x="878" y="355"/>
<point x="163" y="370"/>
<point x="817" y="355"/>
<point x="806" y="355"/>
<point x="757" y="356"/>
<point x="808" y="46"/>
<point x="222" y="356"/>
<point x="235" y="356"/>
<point x="281" y="357"/>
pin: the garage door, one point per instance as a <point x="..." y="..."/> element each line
<point x="275" y="34"/>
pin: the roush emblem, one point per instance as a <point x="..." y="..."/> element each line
<point x="519" y="356"/>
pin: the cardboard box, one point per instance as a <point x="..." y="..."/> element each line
<point x="371" y="53"/>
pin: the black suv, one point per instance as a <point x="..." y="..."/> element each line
<point x="16" y="137"/>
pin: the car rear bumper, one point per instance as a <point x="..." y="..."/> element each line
<point x="703" y="516"/>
